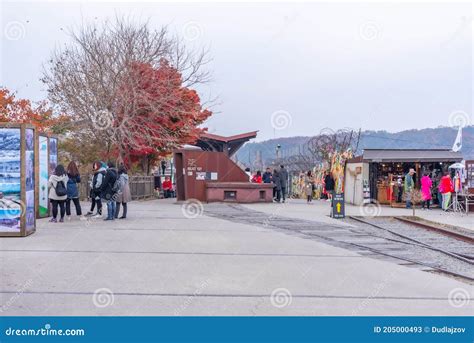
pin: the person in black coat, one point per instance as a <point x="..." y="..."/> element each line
<point x="284" y="181"/>
<point x="276" y="185"/>
<point x="107" y="191"/>
<point x="329" y="185"/>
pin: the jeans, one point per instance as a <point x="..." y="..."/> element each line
<point x="55" y="204"/>
<point x="111" y="207"/>
<point x="77" y="204"/>
<point x="283" y="193"/>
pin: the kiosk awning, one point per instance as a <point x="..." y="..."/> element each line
<point x="411" y="155"/>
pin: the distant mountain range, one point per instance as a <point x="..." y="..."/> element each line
<point x="438" y="138"/>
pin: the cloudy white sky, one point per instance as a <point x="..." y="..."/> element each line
<point x="389" y="66"/>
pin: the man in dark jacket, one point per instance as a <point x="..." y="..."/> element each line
<point x="284" y="181"/>
<point x="267" y="176"/>
<point x="107" y="190"/>
<point x="276" y="185"/>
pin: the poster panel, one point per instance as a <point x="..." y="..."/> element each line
<point x="11" y="207"/>
<point x="30" y="210"/>
<point x="53" y="154"/>
<point x="43" y="176"/>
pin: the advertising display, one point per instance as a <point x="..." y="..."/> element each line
<point x="10" y="180"/>
<point x="53" y="153"/>
<point x="29" y="166"/>
<point x="43" y="177"/>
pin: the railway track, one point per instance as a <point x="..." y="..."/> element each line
<point x="377" y="237"/>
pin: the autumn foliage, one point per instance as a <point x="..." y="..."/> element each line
<point x="155" y="112"/>
<point x="23" y="111"/>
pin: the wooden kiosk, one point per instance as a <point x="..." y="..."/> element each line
<point x="18" y="166"/>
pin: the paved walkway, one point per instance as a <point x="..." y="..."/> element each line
<point x="160" y="262"/>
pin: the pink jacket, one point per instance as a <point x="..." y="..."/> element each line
<point x="426" y="184"/>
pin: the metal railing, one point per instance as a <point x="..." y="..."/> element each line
<point x="141" y="187"/>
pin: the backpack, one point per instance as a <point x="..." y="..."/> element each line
<point x="117" y="187"/>
<point x="60" y="189"/>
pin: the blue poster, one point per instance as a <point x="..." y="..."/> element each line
<point x="30" y="212"/>
<point x="11" y="207"/>
<point x="53" y="154"/>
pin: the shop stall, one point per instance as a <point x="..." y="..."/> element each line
<point x="379" y="174"/>
<point x="17" y="179"/>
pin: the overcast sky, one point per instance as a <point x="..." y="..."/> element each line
<point x="286" y="69"/>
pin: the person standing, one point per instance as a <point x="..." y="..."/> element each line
<point x="267" y="176"/>
<point x="124" y="195"/>
<point x="329" y="185"/>
<point x="163" y="167"/>
<point x="97" y="179"/>
<point x="284" y="181"/>
<point x="426" y="184"/>
<point x="409" y="185"/>
<point x="446" y="188"/>
<point x="108" y="190"/>
<point x="58" y="192"/>
<point x="276" y="185"/>
<point x="309" y="186"/>
<point x="72" y="189"/>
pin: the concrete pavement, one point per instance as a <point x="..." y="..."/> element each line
<point x="160" y="261"/>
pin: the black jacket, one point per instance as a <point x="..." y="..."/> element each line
<point x="329" y="183"/>
<point x="106" y="191"/>
<point x="276" y="181"/>
<point x="283" y="178"/>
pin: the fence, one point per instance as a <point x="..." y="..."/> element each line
<point x="141" y="187"/>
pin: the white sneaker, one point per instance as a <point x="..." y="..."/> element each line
<point x="97" y="216"/>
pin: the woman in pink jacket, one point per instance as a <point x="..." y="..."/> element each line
<point x="426" y="184"/>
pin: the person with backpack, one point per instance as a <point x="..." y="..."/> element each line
<point x="123" y="196"/>
<point x="98" y="169"/>
<point x="58" y="192"/>
<point x="72" y="189"/>
<point x="109" y="188"/>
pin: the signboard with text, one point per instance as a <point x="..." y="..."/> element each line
<point x="337" y="210"/>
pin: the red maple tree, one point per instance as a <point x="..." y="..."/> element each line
<point x="155" y="113"/>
